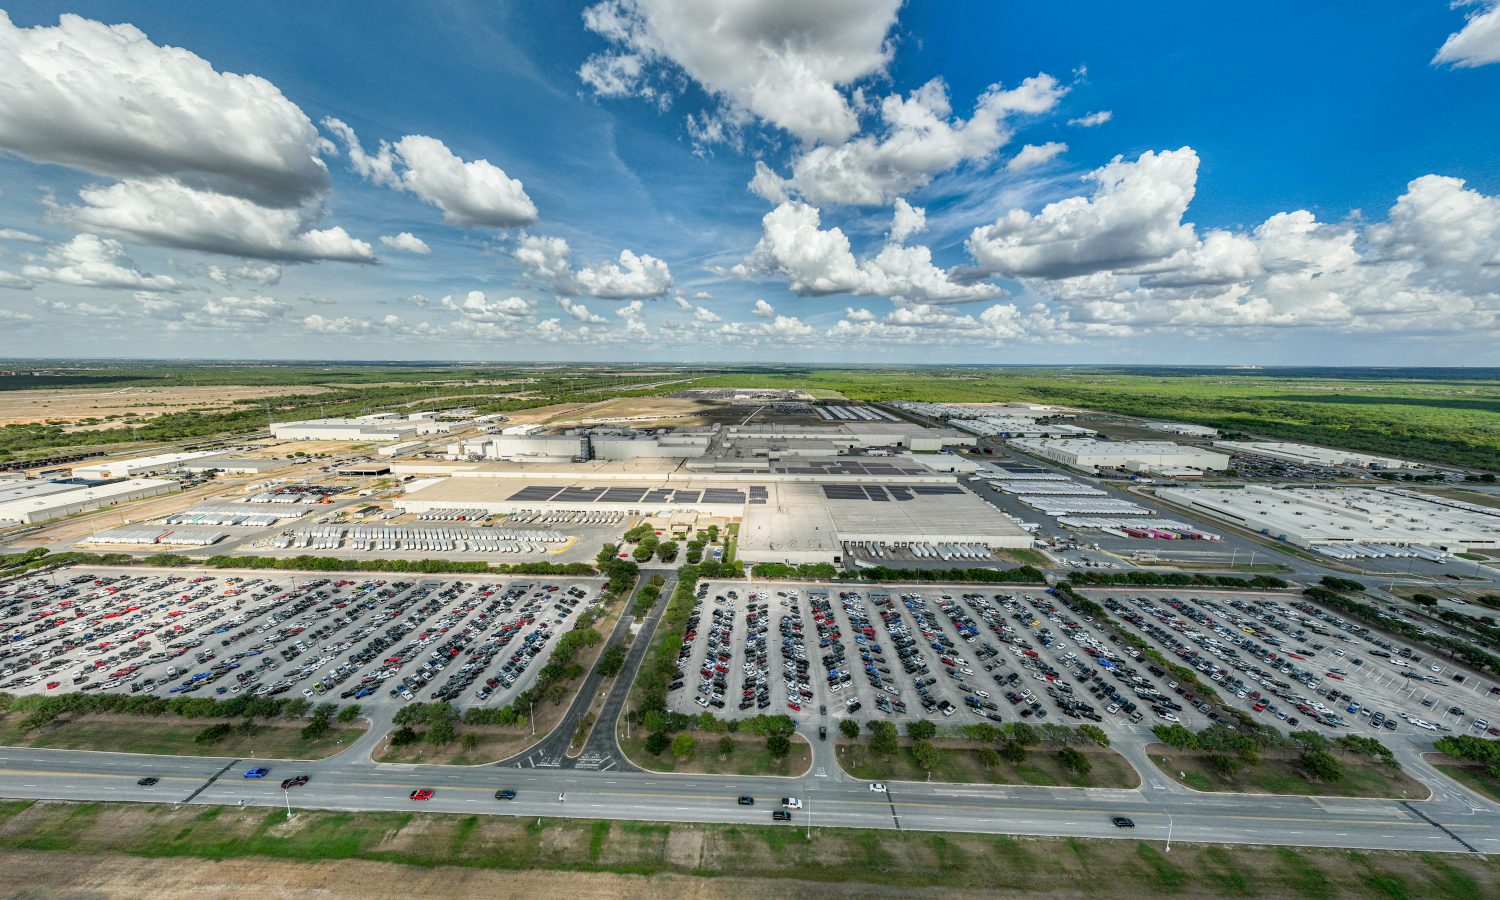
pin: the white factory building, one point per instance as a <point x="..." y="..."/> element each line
<point x="28" y="502"/>
<point x="1182" y="428"/>
<point x="234" y="465"/>
<point x="1312" y="456"/>
<point x="141" y="465"/>
<point x="1134" y="456"/>
<point x="1016" y="426"/>
<point x="1320" y="517"/>
<point x="378" y="427"/>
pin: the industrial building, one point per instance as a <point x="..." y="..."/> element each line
<point x="377" y="427"/>
<point x="1313" y="456"/>
<point x="1198" y="431"/>
<point x="141" y="465"/>
<point x="28" y="502"/>
<point x="233" y="465"/>
<point x="801" y="495"/>
<point x="1019" y="426"/>
<point x="1133" y="456"/>
<point x="960" y="411"/>
<point x="1328" y="517"/>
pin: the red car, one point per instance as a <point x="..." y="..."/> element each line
<point x="422" y="794"/>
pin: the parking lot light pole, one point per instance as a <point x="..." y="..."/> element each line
<point x="532" y="716"/>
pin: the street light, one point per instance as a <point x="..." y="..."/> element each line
<point x="532" y="716"/>
<point x="288" y="795"/>
<point x="1169" y="833"/>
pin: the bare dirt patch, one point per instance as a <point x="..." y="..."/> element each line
<point x="23" y="407"/>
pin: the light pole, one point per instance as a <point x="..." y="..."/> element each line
<point x="1169" y="833"/>
<point x="532" y="716"/>
<point x="288" y="795"/>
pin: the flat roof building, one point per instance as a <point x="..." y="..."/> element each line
<point x="1313" y="517"/>
<point x="1313" y="456"/>
<point x="141" y="465"/>
<point x="1092" y="456"/>
<point x="38" y="501"/>
<point x="378" y="427"/>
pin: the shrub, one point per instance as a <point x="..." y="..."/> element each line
<point x="213" y="733"/>
<point x="1320" y="765"/>
<point x="404" y="736"/>
<point x="657" y="742"/>
<point x="349" y="713"/>
<point x="921" y="730"/>
<point x="683" y="745"/>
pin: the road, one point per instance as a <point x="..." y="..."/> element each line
<point x="344" y="783"/>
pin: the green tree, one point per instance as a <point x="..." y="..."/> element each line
<point x="921" y="730"/>
<point x="883" y="738"/>
<point x="1320" y="765"/>
<point x="666" y="551"/>
<point x="1094" y="735"/>
<point x="1222" y="764"/>
<point x="1074" y="761"/>
<point x="404" y="736"/>
<point x="440" y="732"/>
<point x="683" y="745"/>
<point x="349" y="713"/>
<point x="1013" y="753"/>
<point x="926" y="755"/>
<point x="612" y="660"/>
<point x="779" y="745"/>
<point x="989" y="757"/>
<point x="657" y="742"/>
<point x="849" y="728"/>
<point x="726" y="746"/>
<point x="1022" y="734"/>
<point x="469" y="741"/>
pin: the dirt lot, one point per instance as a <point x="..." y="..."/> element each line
<point x="21" y="407"/>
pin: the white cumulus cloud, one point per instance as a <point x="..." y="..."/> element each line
<point x="1477" y="43"/>
<point x="634" y="276"/>
<point x="91" y="261"/>
<point x="407" y="242"/>
<point x="1033" y="155"/>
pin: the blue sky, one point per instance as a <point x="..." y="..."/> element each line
<point x="999" y="182"/>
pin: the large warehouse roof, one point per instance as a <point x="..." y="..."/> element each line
<point x="805" y="521"/>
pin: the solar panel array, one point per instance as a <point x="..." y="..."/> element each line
<point x="882" y="493"/>
<point x="542" y="493"/>
<point x="846" y="466"/>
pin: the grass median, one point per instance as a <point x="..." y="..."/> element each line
<point x="962" y="765"/>
<point x="1279" y="774"/>
<point x="64" y="848"/>
<point x="175" y="737"/>
<point x="749" y="756"/>
<point x="1476" y="778"/>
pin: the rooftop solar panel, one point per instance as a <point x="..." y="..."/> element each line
<point x="624" y="495"/>
<point x="534" y="492"/>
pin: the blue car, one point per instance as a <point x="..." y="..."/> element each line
<point x="257" y="772"/>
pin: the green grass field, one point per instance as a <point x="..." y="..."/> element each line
<point x="274" y="740"/>
<point x="962" y="766"/>
<point x="749" y="758"/>
<point x="1473" y="777"/>
<point x="1280" y="776"/>
<point x="777" y="857"/>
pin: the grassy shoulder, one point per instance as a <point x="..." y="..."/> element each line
<point x="1279" y="773"/>
<point x="1476" y="778"/>
<point x="963" y="765"/>
<point x="175" y="737"/>
<point x="377" y="852"/>
<point x="748" y="756"/>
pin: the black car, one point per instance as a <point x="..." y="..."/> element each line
<point x="147" y="781"/>
<point x="1122" y="822"/>
<point x="746" y="801"/>
<point x="822" y="732"/>
<point x="781" y="815"/>
<point x="298" y="781"/>
<point x="505" y="795"/>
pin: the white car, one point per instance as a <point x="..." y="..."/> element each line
<point x="790" y="803"/>
<point x="877" y="787"/>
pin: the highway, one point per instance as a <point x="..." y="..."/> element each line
<point x="1453" y="821"/>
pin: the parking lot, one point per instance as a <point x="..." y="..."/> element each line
<point x="474" y="640"/>
<point x="1303" y="667"/>
<point x="961" y="654"/>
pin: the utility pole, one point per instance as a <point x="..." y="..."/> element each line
<point x="1169" y="833"/>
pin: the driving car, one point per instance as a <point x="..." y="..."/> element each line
<point x="147" y="781"/>
<point x="878" y="787"/>
<point x="790" y="803"/>
<point x="257" y="772"/>
<point x="505" y="794"/>
<point x="422" y="794"/>
<point x="296" y="781"/>
<point x="745" y="801"/>
<point x="781" y="815"/>
<point x="1122" y="822"/>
